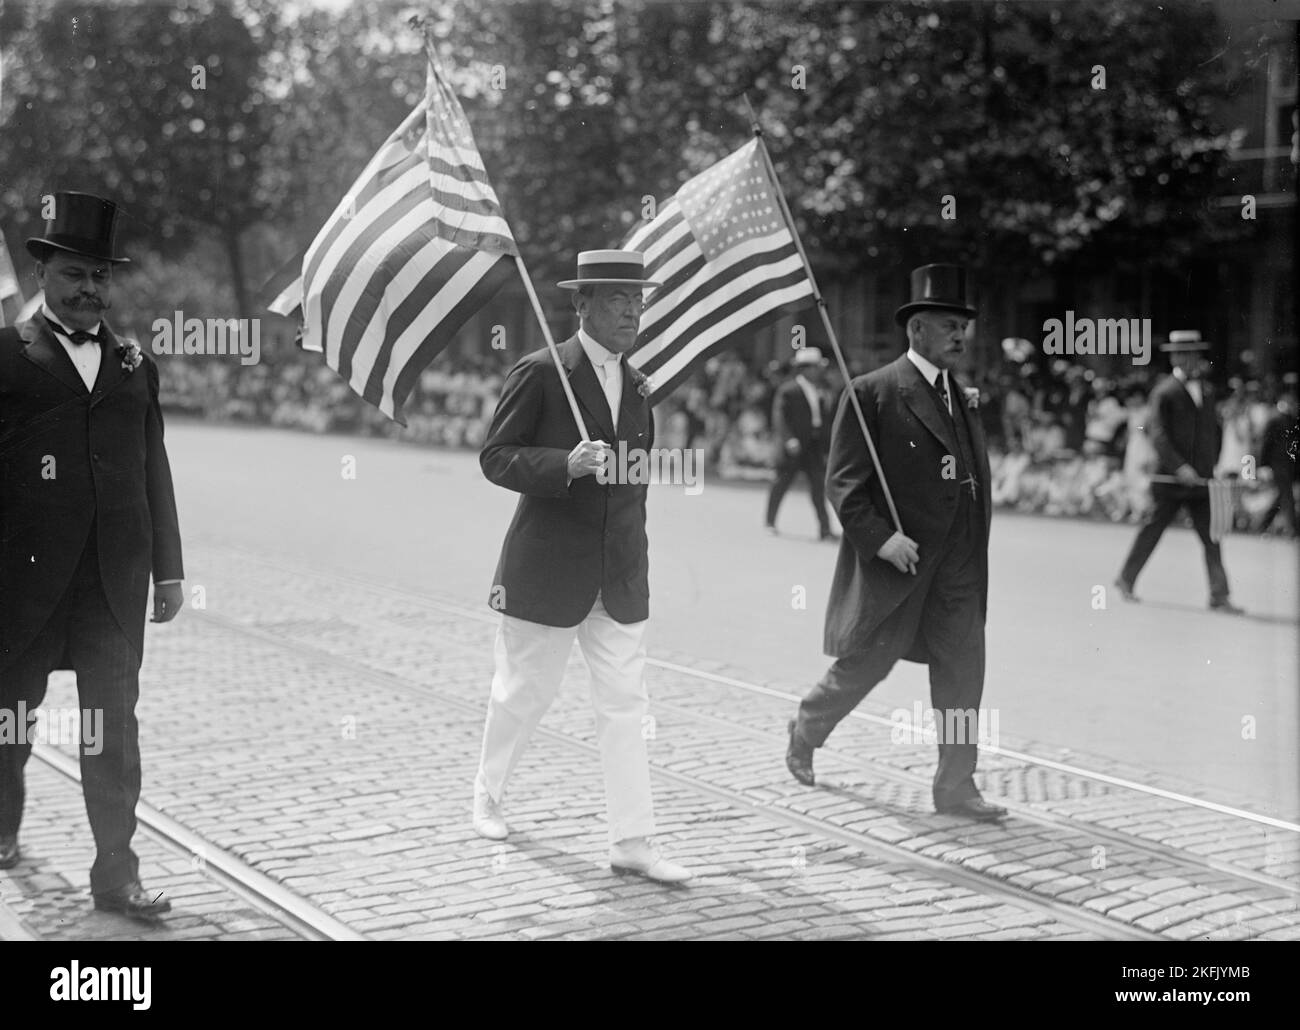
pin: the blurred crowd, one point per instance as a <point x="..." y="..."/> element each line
<point x="450" y="406"/>
<point x="1062" y="440"/>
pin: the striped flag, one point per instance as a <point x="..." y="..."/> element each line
<point x="8" y="279"/>
<point x="413" y="250"/>
<point x="1222" y="507"/>
<point x="728" y="262"/>
<point x="282" y="293"/>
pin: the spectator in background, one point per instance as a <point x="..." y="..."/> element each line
<point x="1238" y="434"/>
<point x="1073" y="410"/>
<point x="801" y="425"/>
<point x="1277" y="462"/>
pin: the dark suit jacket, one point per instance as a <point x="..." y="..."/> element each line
<point x="792" y="419"/>
<point x="912" y="436"/>
<point x="70" y="457"/>
<point x="567" y="542"/>
<point x="1181" y="432"/>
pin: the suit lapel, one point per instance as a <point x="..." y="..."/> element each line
<point x="975" y="427"/>
<point x="44" y="350"/>
<point x="586" y="387"/>
<point x="630" y="423"/>
<point x="920" y="396"/>
<point x="110" y="366"/>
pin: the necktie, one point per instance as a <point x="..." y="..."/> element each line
<point x="942" y="392"/>
<point x="80" y="336"/>
<point x="610" y="386"/>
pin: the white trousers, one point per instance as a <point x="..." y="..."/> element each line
<point x="530" y="663"/>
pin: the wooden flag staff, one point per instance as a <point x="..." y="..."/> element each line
<point x="550" y="345"/>
<point x="421" y="26"/>
<point x="826" y="319"/>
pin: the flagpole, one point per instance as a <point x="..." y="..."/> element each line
<point x="826" y="318"/>
<point x="420" y="25"/>
<point x="550" y="345"/>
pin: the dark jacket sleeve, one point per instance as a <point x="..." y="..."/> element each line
<point x="849" y="473"/>
<point x="509" y="457"/>
<point x="166" y="556"/>
<point x="780" y="417"/>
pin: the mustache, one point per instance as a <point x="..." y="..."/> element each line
<point x="83" y="301"/>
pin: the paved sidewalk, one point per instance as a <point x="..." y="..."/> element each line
<point x="325" y="731"/>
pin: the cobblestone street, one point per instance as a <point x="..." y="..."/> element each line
<point x="317" y="732"/>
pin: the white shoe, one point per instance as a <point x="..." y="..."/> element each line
<point x="488" y="820"/>
<point x="637" y="856"/>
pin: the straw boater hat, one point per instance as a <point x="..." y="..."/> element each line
<point x="941" y="287"/>
<point x="82" y="224"/>
<point x="610" y="268"/>
<point x="809" y="356"/>
<point x="1183" y="340"/>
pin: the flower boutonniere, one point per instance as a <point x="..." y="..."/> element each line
<point x="972" y="397"/>
<point x="129" y="351"/>
<point x="641" y="382"/>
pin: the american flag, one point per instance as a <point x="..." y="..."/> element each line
<point x="8" y="278"/>
<point x="1222" y="507"/>
<point x="728" y="262"/>
<point x="413" y="250"/>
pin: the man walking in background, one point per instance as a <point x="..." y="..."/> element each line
<point x="800" y="430"/>
<point x="1184" y="431"/>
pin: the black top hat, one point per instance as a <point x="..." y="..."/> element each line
<point x="609" y="268"/>
<point x="82" y="224"/>
<point x="936" y="286"/>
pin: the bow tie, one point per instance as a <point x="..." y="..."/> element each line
<point x="77" y="336"/>
<point x="80" y="336"/>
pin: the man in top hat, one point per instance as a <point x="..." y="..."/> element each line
<point x="87" y="515"/>
<point x="921" y="593"/>
<point x="575" y="562"/>
<point x="1183" y="427"/>
<point x="801" y="426"/>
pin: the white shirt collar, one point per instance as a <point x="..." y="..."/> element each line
<point x="596" y="353"/>
<point x="58" y="325"/>
<point x="926" y="367"/>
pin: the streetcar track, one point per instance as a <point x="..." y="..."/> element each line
<point x="1141" y="844"/>
<point x="1155" y="849"/>
<point x="948" y="872"/>
<point x="755" y="688"/>
<point x="264" y="893"/>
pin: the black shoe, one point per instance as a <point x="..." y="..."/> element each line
<point x="1125" y="590"/>
<point x="799" y="758"/>
<point x="133" y="900"/>
<point x="973" y="808"/>
<point x="9" y="851"/>
<point x="1226" y="607"/>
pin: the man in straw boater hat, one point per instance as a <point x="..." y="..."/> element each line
<point x="87" y="515"/>
<point x="912" y="577"/>
<point x="1183" y="427"/>
<point x="574" y="562"/>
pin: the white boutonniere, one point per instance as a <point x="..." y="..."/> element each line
<point x="129" y="351"/>
<point x="972" y="397"/>
<point x="641" y="382"/>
